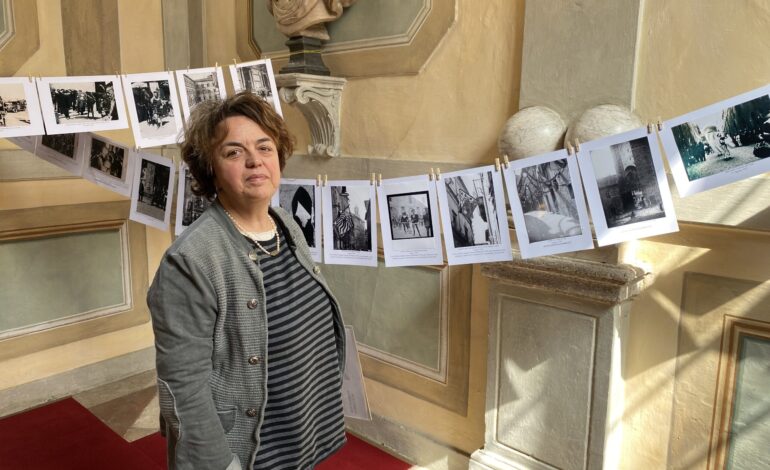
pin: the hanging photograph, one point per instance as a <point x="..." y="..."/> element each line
<point x="152" y="186"/>
<point x="189" y="206"/>
<point x="153" y="108"/>
<point x="626" y="187"/>
<point x="19" y="108"/>
<point x="409" y="221"/>
<point x="61" y="150"/>
<point x="257" y="77"/>
<point x="349" y="223"/>
<point x="82" y="104"/>
<point x="473" y="216"/>
<point x="719" y="144"/>
<point x="301" y="198"/>
<point x="107" y="163"/>
<point x="547" y="203"/>
<point x="197" y="85"/>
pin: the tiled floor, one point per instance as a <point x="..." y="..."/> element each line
<point x="129" y="407"/>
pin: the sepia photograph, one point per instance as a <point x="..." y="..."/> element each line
<point x="721" y="143"/>
<point x="473" y="213"/>
<point x="547" y="204"/>
<point x="626" y="187"/>
<point x="82" y="104"/>
<point x="257" y="77"/>
<point x="409" y="221"/>
<point x="350" y="230"/>
<point x="198" y="85"/>
<point x="108" y="163"/>
<point x="19" y="108"/>
<point x="189" y="206"/>
<point x="153" y="108"/>
<point x="151" y="188"/>
<point x="301" y="198"/>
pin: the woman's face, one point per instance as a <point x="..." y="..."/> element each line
<point x="246" y="165"/>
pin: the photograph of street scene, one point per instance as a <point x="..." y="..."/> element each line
<point x="13" y="106"/>
<point x="152" y="102"/>
<point x="722" y="141"/>
<point x="351" y="218"/>
<point x="627" y="183"/>
<point x="153" y="189"/>
<point x="472" y="209"/>
<point x="410" y="216"/>
<point x="548" y="201"/>
<point x="83" y="103"/>
<point x="107" y="158"/>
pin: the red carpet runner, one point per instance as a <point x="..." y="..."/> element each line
<point x="66" y="436"/>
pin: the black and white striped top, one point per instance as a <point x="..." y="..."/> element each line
<point x="303" y="422"/>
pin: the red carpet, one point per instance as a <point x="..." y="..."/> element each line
<point x="65" y="436"/>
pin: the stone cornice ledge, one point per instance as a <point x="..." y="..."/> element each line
<point x="600" y="282"/>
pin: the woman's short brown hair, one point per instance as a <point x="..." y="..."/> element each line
<point x="205" y="131"/>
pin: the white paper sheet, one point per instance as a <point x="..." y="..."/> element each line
<point x="82" y="104"/>
<point x="355" y="404"/>
<point x="473" y="216"/>
<point x="61" y="150"/>
<point x="626" y="187"/>
<point x="196" y="85"/>
<point x="153" y="107"/>
<point x="107" y="163"/>
<point x="20" y="110"/>
<point x="716" y="145"/>
<point x="349" y="223"/>
<point x="258" y="77"/>
<point x="548" y="206"/>
<point x="188" y="206"/>
<point x="302" y="199"/>
<point x="152" y="190"/>
<point x="409" y="220"/>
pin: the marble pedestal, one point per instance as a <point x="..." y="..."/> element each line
<point x="554" y="391"/>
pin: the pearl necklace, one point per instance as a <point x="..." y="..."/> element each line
<point x="252" y="237"/>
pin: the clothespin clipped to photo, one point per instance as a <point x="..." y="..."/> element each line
<point x="188" y="67"/>
<point x="317" y="179"/>
<point x="432" y="175"/>
<point x="438" y="173"/>
<point x="216" y="65"/>
<point x="379" y="179"/>
<point x="660" y="124"/>
<point x="373" y="179"/>
<point x="497" y="165"/>
<point x="577" y="145"/>
<point x="235" y="64"/>
<point x="650" y="127"/>
<point x="506" y="163"/>
<point x="30" y="77"/>
<point x="570" y="149"/>
<point x="326" y="180"/>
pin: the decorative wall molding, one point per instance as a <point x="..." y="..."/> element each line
<point x="25" y="39"/>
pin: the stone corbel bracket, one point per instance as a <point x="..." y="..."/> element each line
<point x="319" y="99"/>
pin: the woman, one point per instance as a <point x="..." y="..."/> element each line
<point x="249" y="339"/>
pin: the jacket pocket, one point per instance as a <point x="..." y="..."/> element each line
<point x="227" y="418"/>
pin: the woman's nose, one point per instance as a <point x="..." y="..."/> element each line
<point x="252" y="161"/>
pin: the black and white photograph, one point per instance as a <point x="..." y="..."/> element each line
<point x="257" y="77"/>
<point x="152" y="189"/>
<point x="82" y="104"/>
<point x="349" y="223"/>
<point x="198" y="85"/>
<point x="153" y="108"/>
<point x="409" y="221"/>
<point x="62" y="150"/>
<point x="107" y="163"/>
<point x="473" y="215"/>
<point x="301" y="198"/>
<point x="19" y="108"/>
<point x="547" y="204"/>
<point x="626" y="187"/>
<point x="719" y="144"/>
<point x="189" y="206"/>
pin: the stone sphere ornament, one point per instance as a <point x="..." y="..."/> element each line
<point x="602" y="121"/>
<point x="531" y="131"/>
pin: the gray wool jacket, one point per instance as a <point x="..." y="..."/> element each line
<point x="207" y="303"/>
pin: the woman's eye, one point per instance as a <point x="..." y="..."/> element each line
<point x="231" y="153"/>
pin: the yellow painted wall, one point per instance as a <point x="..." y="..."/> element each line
<point x="692" y="53"/>
<point x="141" y="43"/>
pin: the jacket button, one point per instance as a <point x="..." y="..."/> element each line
<point x="253" y="255"/>
<point x="254" y="360"/>
<point x="316" y="269"/>
<point x="251" y="412"/>
<point x="252" y="304"/>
